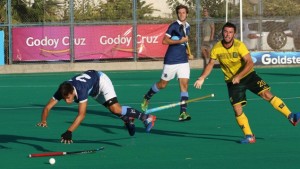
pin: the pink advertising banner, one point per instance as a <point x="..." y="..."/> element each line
<point x="52" y="43"/>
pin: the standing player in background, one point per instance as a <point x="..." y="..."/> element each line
<point x="238" y="68"/>
<point x="207" y="35"/>
<point x="99" y="86"/>
<point x="175" y="61"/>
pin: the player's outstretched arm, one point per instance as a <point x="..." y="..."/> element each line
<point x="199" y="82"/>
<point x="45" y="112"/>
<point x="66" y="137"/>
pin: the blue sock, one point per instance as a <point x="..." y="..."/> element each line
<point x="130" y="113"/>
<point x="184" y="96"/>
<point x="151" y="92"/>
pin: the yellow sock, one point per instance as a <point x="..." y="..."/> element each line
<point x="242" y="121"/>
<point x="279" y="105"/>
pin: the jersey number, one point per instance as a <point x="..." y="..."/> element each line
<point x="83" y="77"/>
<point x="261" y="83"/>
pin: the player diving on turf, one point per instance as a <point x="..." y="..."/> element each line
<point x="99" y="86"/>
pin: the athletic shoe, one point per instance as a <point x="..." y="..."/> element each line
<point x="294" y="118"/>
<point x="184" y="116"/>
<point x="149" y="123"/>
<point x="130" y="127"/>
<point x="144" y="105"/>
<point x="249" y="139"/>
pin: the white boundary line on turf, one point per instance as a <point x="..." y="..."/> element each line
<point x="134" y="85"/>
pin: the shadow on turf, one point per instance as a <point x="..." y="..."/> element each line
<point x="107" y="128"/>
<point x="221" y="137"/>
<point x="6" y="138"/>
<point x="75" y="109"/>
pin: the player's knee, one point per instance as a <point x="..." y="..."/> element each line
<point x="162" y="84"/>
<point x="267" y="95"/>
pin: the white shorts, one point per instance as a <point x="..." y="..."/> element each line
<point x="106" y="89"/>
<point x="180" y="70"/>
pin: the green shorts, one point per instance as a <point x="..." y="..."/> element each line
<point x="252" y="82"/>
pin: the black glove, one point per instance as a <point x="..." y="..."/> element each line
<point x="66" y="137"/>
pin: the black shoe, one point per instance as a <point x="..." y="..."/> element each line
<point x="130" y="127"/>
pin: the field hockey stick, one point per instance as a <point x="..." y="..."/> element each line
<point x="177" y="104"/>
<point x="187" y="43"/>
<point x="62" y="153"/>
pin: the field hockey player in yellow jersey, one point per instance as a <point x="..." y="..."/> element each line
<point x="238" y="68"/>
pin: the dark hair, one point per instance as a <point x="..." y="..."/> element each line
<point x="181" y="7"/>
<point x="65" y="89"/>
<point x="229" y="25"/>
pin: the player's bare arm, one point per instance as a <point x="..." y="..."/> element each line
<point x="52" y="102"/>
<point x="199" y="82"/>
<point x="67" y="136"/>
<point x="81" y="115"/>
<point x="248" y="66"/>
<point x="168" y="41"/>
